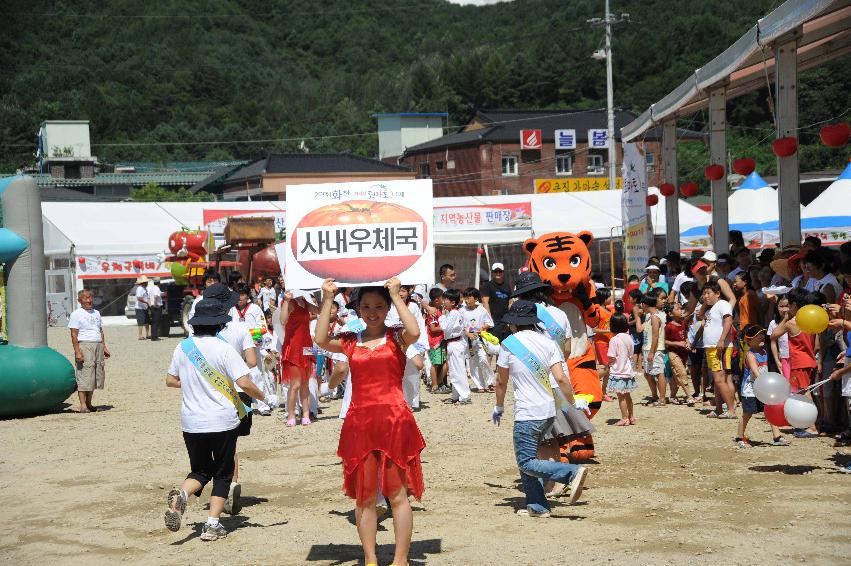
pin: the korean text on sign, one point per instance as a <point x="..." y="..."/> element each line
<point x="359" y="241"/>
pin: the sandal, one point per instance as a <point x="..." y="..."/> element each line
<point x="290" y="422"/>
<point x="631" y="420"/>
<point x="623" y="422"/>
<point x="727" y="415"/>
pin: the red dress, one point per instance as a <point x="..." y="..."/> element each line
<point x="297" y="336"/>
<point x="380" y="436"/>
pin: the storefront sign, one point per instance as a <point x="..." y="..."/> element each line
<point x="597" y="138"/>
<point x="565" y="139"/>
<point x="575" y="184"/>
<point x="531" y="139"/>
<point x="360" y="233"/>
<point x="120" y="267"/>
<point x="483" y="217"/>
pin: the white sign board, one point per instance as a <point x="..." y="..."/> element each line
<point x="565" y="139"/>
<point x="597" y="138"/>
<point x="360" y="233"/>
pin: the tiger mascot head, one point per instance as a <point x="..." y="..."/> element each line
<point x="563" y="261"/>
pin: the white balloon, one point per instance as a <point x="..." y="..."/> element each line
<point x="771" y="388"/>
<point x="800" y="411"/>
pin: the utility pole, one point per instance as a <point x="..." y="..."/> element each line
<point x="606" y="53"/>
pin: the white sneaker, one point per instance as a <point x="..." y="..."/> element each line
<point x="533" y="514"/>
<point x="576" y="484"/>
<point x="177" y="501"/>
<point x="232" y="504"/>
<point x="213" y="533"/>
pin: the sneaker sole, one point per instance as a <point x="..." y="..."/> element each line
<point x="211" y="537"/>
<point x="526" y="513"/>
<point x="173" y="518"/>
<point x="237" y="502"/>
<point x="577" y="484"/>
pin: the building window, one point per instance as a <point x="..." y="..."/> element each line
<point x="595" y="164"/>
<point x="564" y="164"/>
<point x="509" y="165"/>
<point x="60" y="263"/>
<point x="650" y="159"/>
<point x="425" y="170"/>
<point x="439" y="165"/>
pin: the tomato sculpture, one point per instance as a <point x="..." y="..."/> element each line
<point x="375" y="260"/>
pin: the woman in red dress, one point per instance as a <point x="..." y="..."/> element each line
<point x="295" y="366"/>
<point x="380" y="443"/>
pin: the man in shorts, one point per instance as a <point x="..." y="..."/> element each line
<point x="89" y="349"/>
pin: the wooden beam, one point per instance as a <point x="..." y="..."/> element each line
<point x="718" y="156"/>
<point x="669" y="162"/>
<point x="786" y="107"/>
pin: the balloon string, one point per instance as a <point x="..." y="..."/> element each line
<point x="813" y="387"/>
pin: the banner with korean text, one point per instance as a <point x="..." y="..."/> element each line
<point x="575" y="184"/>
<point x="483" y="217"/>
<point x="360" y="233"/>
<point x="638" y="234"/>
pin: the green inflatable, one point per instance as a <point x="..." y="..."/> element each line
<point x="33" y="377"/>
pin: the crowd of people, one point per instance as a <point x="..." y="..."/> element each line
<point x="691" y="325"/>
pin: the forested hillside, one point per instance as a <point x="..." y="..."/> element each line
<point x="195" y="79"/>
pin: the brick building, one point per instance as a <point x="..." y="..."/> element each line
<point x="486" y="158"/>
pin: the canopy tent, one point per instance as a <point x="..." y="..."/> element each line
<point x="829" y="215"/>
<point x="599" y="212"/>
<point x="753" y="210"/>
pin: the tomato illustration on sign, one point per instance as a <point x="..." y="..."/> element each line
<point x="374" y="249"/>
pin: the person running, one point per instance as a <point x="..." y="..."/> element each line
<point x="380" y="442"/>
<point x="528" y="357"/>
<point x="205" y="368"/>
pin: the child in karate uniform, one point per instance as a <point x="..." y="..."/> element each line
<point x="452" y="324"/>
<point x="415" y="352"/>
<point x="477" y="318"/>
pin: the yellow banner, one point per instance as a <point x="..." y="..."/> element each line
<point x="575" y="184"/>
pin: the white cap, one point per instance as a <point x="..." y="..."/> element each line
<point x="709" y="256"/>
<point x="652" y="266"/>
<point x="498" y="266"/>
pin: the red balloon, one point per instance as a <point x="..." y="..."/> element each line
<point x="784" y="147"/>
<point x="835" y="135"/>
<point x="652" y="200"/>
<point x="688" y="189"/>
<point x="744" y="166"/>
<point x="774" y="415"/>
<point x="667" y="189"/>
<point x="714" y="172"/>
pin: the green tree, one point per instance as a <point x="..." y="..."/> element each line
<point x="155" y="193"/>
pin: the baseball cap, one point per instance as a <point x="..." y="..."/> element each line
<point x="725" y="258"/>
<point x="497" y="266"/>
<point x="709" y="256"/>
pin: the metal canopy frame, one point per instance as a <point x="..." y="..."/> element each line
<point x="824" y="29"/>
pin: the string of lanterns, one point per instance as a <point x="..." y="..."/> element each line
<point x="832" y="135"/>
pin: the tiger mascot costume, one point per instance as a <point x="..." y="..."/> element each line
<point x="562" y="260"/>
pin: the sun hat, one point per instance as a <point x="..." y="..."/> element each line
<point x="698" y="266"/>
<point x="210" y="312"/>
<point x="652" y="266"/>
<point x="709" y="256"/>
<point x="497" y="267"/>
<point x="141" y="280"/>
<point x="528" y="281"/>
<point x="222" y="293"/>
<point x="522" y="313"/>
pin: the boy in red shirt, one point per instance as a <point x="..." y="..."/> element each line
<point x="676" y="331"/>
<point x="436" y="349"/>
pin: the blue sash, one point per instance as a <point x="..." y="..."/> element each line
<point x="214" y="377"/>
<point x="248" y="408"/>
<point x="530" y="360"/>
<point x="554" y="329"/>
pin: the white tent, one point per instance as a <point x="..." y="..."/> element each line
<point x="599" y="212"/>
<point x="829" y="215"/>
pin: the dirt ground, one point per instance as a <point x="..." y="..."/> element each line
<point x="673" y="489"/>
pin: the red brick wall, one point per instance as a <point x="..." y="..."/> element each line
<point x="478" y="170"/>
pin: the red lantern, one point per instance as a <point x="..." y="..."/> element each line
<point x="137" y="264"/>
<point x="81" y="260"/>
<point x="688" y="189"/>
<point x="835" y="135"/>
<point x="784" y="147"/>
<point x="480" y="251"/>
<point x="667" y="189"/>
<point x="652" y="200"/>
<point x="774" y="415"/>
<point x="714" y="172"/>
<point x="744" y="166"/>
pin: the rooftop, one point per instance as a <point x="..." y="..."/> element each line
<point x="503" y="126"/>
<point x="308" y="163"/>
